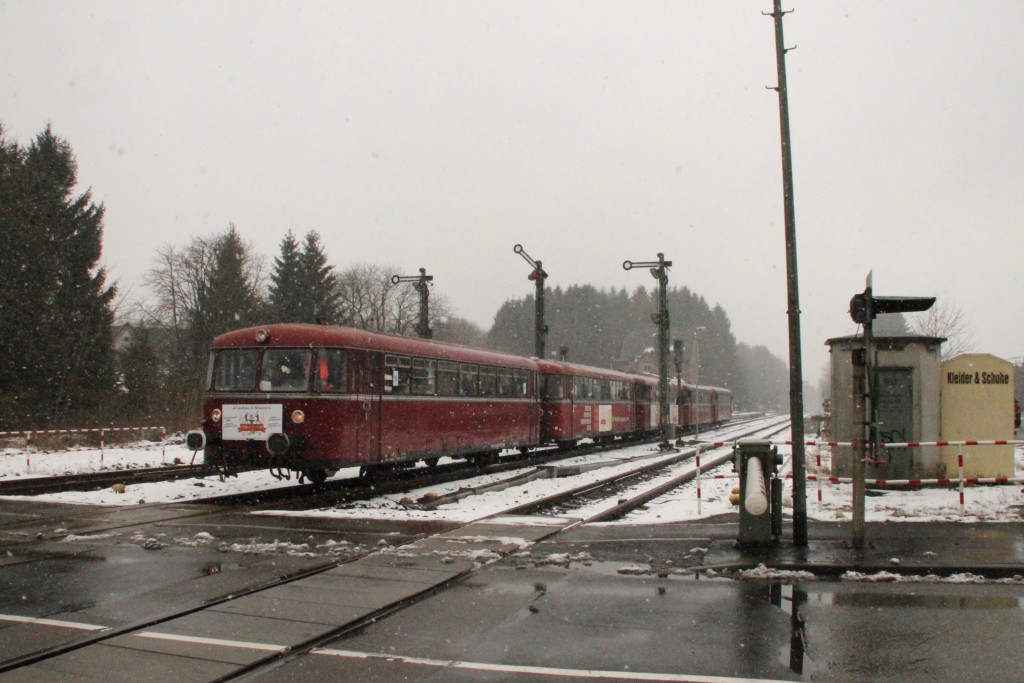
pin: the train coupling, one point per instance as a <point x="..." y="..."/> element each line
<point x="278" y="444"/>
<point x="195" y="440"/>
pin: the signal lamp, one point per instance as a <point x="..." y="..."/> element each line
<point x="215" y="415"/>
<point x="298" y="417"/>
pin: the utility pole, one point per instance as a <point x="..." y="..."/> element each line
<point x="659" y="269"/>
<point x="859" y="445"/>
<point x="419" y="282"/>
<point x="677" y="360"/>
<point x="796" y="382"/>
<point x="538" y="276"/>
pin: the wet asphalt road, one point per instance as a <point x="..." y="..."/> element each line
<point x="611" y="603"/>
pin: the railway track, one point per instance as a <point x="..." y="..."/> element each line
<point x="94" y="481"/>
<point x="332" y="493"/>
<point x="608" y="488"/>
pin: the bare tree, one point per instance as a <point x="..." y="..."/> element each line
<point x="195" y="299"/>
<point x="370" y="301"/>
<point x="945" y="320"/>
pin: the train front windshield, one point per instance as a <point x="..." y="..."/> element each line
<point x="277" y="369"/>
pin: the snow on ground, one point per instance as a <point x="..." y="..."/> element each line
<point x="19" y="464"/>
<point x="982" y="503"/>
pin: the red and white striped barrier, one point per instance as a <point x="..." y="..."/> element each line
<point x="904" y="444"/>
<point x="960" y="482"/>
<point x="102" y="431"/>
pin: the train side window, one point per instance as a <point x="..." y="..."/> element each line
<point x="235" y="369"/>
<point x="468" y="379"/>
<point x="424" y="377"/>
<point x="447" y="378"/>
<point x="520" y="384"/>
<point x="488" y="381"/>
<point x="506" y="384"/>
<point x="331" y="371"/>
<point x="397" y="374"/>
<point x="605" y="387"/>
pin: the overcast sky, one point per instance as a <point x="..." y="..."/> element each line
<point x="440" y="134"/>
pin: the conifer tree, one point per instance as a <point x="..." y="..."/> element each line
<point x="229" y="296"/>
<point x="57" y="351"/>
<point x="286" y="283"/>
<point x="321" y="300"/>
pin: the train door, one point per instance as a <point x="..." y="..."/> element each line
<point x="534" y="393"/>
<point x="367" y="384"/>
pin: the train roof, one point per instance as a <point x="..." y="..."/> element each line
<point x="653" y="379"/>
<point x="557" y="367"/>
<point x="304" y="334"/>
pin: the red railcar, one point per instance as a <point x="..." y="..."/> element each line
<point x="704" y="406"/>
<point x="690" y="406"/>
<point x="584" y="402"/>
<point x="316" y="398"/>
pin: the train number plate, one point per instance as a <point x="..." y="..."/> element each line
<point x="252" y="422"/>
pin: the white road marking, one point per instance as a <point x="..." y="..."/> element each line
<point x="542" y="670"/>
<point x="53" y="622"/>
<point x="212" y="641"/>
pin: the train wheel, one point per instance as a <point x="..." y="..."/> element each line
<point x="485" y="459"/>
<point x="317" y="475"/>
<point x="431" y="462"/>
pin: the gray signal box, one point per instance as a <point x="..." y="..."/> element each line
<point x="906" y="397"/>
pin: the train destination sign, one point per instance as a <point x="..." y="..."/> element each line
<point x="252" y="422"/>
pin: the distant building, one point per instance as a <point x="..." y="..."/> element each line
<point x="637" y="354"/>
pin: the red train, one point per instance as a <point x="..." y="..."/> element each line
<point x="316" y="398"/>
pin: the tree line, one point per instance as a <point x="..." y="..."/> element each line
<point x="614" y="329"/>
<point x="73" y="355"/>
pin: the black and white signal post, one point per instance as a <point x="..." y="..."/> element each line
<point x="419" y="282"/>
<point x="538" y="276"/>
<point x="659" y="269"/>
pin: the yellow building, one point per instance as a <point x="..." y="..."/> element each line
<point x="977" y="405"/>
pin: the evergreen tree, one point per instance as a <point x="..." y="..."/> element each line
<point x="303" y="288"/>
<point x="229" y="296"/>
<point x="320" y="297"/>
<point x="207" y="288"/>
<point x="142" y="379"/>
<point x="57" y="352"/>
<point x="609" y="329"/>
<point x="286" y="283"/>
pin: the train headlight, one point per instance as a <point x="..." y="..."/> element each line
<point x="215" y="415"/>
<point x="262" y="336"/>
<point x="298" y="417"/>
